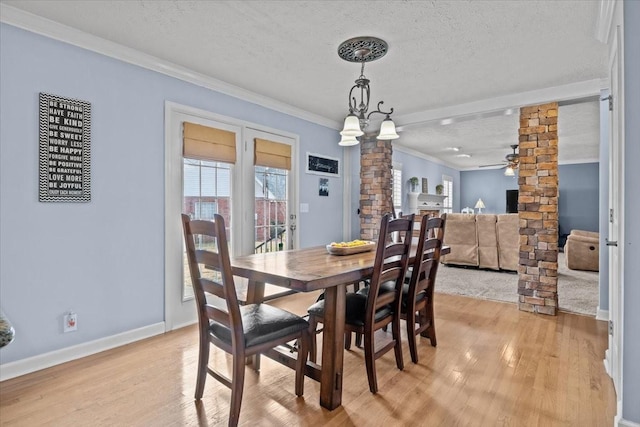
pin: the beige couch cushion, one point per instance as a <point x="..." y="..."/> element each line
<point x="460" y="235"/>
<point x="582" y="250"/>
<point x="487" y="241"/>
<point x="508" y="232"/>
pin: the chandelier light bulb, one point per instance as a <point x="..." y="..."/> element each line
<point x="388" y="130"/>
<point x="351" y="126"/>
<point x="347" y="141"/>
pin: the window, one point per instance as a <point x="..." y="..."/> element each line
<point x="206" y="189"/>
<point x="208" y="155"/>
<point x="205" y="210"/>
<point x="272" y="161"/>
<point x="447" y="183"/>
<point x="396" y="186"/>
<point x="271" y="209"/>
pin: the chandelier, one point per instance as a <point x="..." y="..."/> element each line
<point x="363" y="50"/>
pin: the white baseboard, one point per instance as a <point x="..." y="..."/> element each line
<point x="46" y="360"/>
<point x="621" y="422"/>
<point x="602" y="314"/>
<point x="618" y="421"/>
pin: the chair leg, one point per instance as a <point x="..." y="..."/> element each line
<point x="203" y="361"/>
<point x="256" y="362"/>
<point x="430" y="332"/>
<point x="301" y="362"/>
<point x="358" y="339"/>
<point x="370" y="361"/>
<point x="411" y="335"/>
<point x="347" y="340"/>
<point x="313" y="347"/>
<point x="397" y="348"/>
<point x="237" y="385"/>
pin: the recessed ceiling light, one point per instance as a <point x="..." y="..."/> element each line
<point x="463" y="155"/>
<point x="446" y="121"/>
<point x="452" y="148"/>
<point x="508" y="111"/>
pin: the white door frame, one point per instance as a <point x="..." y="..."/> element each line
<point x="616" y="222"/>
<point x="177" y="315"/>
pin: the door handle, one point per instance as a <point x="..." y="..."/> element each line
<point x="610" y="243"/>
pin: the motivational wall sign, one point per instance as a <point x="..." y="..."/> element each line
<point x="65" y="149"/>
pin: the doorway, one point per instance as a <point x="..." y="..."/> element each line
<point x="257" y="199"/>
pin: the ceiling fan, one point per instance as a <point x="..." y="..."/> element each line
<point x="511" y="160"/>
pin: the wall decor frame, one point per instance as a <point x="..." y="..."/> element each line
<point x="319" y="164"/>
<point x="65" y="149"/>
<point x="323" y="187"/>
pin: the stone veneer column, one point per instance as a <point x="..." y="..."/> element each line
<point x="538" y="209"/>
<point x="375" y="185"/>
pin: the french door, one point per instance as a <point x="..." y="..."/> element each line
<point x="274" y="196"/>
<point x="257" y="202"/>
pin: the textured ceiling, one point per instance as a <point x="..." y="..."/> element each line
<point x="441" y="53"/>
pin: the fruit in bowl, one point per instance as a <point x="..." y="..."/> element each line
<point x="351" y="244"/>
<point x="352" y="247"/>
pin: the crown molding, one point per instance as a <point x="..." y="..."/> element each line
<point x="54" y="30"/>
<point x="492" y="106"/>
<point x="604" y="20"/>
<point x="578" y="161"/>
<point x="398" y="147"/>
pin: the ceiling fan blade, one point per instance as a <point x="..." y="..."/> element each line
<point x="496" y="164"/>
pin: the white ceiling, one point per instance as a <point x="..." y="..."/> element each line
<point x="441" y="54"/>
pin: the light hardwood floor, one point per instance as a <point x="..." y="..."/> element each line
<point x="494" y="366"/>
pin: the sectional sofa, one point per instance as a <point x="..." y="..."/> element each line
<point x="582" y="250"/>
<point x="482" y="240"/>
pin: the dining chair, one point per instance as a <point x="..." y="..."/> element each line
<point x="241" y="331"/>
<point x="417" y="292"/>
<point x="369" y="310"/>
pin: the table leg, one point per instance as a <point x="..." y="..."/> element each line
<point x="255" y="294"/>
<point x="332" y="347"/>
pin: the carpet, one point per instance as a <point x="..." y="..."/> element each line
<point x="577" y="290"/>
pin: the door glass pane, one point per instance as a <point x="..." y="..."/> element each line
<point x="271" y="209"/>
<point x="206" y="191"/>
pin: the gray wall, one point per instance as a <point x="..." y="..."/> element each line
<point x="104" y="259"/>
<point x="490" y="185"/>
<point x="578" y="186"/>
<point x="631" y="280"/>
<point x="578" y="202"/>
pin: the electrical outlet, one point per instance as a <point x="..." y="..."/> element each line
<point x="70" y="322"/>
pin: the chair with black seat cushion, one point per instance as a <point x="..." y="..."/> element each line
<point x="241" y="331"/>
<point x="369" y="310"/>
<point x="417" y="293"/>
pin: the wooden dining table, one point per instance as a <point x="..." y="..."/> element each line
<point x="307" y="270"/>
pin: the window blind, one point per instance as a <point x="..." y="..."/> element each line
<point x="207" y="143"/>
<point x="272" y="154"/>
